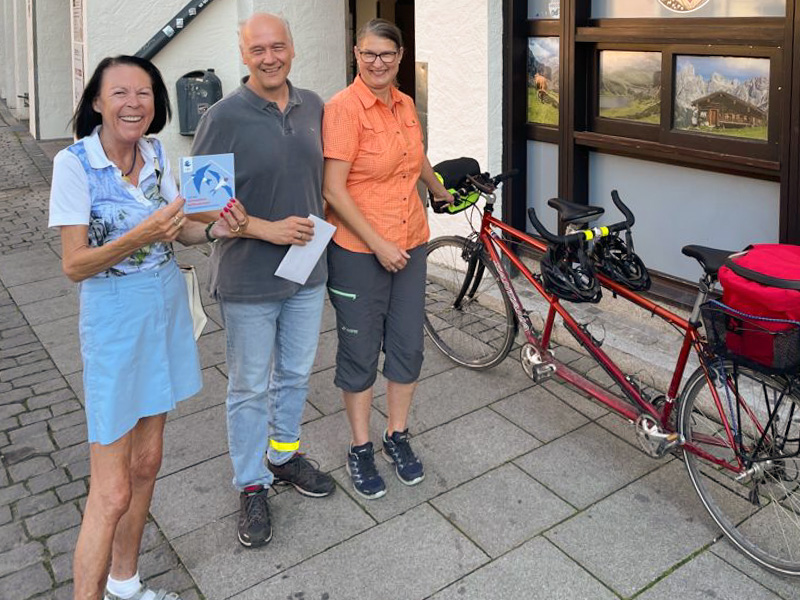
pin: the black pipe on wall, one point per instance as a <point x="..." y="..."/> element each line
<point x="173" y="27"/>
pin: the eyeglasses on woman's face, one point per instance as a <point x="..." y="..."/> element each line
<point x="387" y="58"/>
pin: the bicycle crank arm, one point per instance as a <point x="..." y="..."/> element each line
<point x="655" y="441"/>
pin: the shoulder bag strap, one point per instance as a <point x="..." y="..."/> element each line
<point x="785" y="284"/>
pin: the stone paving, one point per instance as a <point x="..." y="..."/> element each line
<point x="531" y="491"/>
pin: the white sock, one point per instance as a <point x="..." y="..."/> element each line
<point x="126" y="588"/>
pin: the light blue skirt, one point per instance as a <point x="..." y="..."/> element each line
<point x="139" y="355"/>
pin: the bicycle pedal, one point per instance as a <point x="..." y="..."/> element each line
<point x="534" y="365"/>
<point x="654" y="440"/>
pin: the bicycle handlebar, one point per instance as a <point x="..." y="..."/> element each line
<point x="482" y="183"/>
<point x="586" y="234"/>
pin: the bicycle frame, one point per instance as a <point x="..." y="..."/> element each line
<point x="495" y="246"/>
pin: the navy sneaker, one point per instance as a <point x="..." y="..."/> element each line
<point x="254" y="528"/>
<point x="397" y="450"/>
<point x="367" y="482"/>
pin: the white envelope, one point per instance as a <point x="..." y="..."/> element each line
<point x="300" y="260"/>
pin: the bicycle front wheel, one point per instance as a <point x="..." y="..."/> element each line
<point x="757" y="505"/>
<point x="467" y="313"/>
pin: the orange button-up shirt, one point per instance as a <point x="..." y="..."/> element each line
<point x="385" y="151"/>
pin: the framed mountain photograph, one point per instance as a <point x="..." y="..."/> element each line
<point x="722" y="96"/>
<point x="630" y="86"/>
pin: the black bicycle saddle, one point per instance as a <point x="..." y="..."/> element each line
<point x="571" y="212"/>
<point x="711" y="259"/>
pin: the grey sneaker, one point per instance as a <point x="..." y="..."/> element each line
<point x="255" y="526"/>
<point x="304" y="476"/>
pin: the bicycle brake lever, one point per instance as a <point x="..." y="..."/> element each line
<point x="486" y="189"/>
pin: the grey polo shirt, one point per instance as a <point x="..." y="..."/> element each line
<point x="278" y="162"/>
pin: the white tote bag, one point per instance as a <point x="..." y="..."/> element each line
<point x="199" y="318"/>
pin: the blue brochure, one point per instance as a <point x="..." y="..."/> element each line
<point x="207" y="182"/>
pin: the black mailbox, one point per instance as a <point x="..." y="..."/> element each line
<point x="197" y="91"/>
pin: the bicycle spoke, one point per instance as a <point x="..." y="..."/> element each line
<point x="757" y="504"/>
<point x="467" y="314"/>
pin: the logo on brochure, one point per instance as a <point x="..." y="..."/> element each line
<point x="212" y="180"/>
<point x="207" y="181"/>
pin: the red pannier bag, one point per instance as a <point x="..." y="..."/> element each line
<point x="761" y="287"/>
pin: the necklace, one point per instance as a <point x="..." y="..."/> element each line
<point x="133" y="163"/>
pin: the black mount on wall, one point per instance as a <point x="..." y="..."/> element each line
<point x="173" y="27"/>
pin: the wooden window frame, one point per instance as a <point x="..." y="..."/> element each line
<point x="758" y="37"/>
<point x="665" y="143"/>
<point x="775" y="37"/>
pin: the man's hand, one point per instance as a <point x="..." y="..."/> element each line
<point x="292" y="230"/>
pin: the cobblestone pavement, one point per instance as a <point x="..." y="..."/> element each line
<point x="531" y="491"/>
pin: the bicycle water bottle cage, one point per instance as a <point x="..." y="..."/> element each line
<point x="568" y="274"/>
<point x="616" y="260"/>
<point x="453" y="175"/>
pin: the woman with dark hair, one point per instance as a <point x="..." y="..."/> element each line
<point x="118" y="210"/>
<point x="374" y="156"/>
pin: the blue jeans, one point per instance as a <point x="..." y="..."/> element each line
<point x="270" y="351"/>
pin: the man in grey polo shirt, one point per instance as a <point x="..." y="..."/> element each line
<point x="272" y="324"/>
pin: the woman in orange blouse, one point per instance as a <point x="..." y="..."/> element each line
<point x="373" y="158"/>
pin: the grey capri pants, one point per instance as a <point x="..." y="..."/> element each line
<point x="376" y="309"/>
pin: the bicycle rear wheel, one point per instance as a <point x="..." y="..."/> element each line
<point x="473" y="324"/>
<point x="758" y="508"/>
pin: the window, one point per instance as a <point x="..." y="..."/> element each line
<point x="543" y="9"/>
<point x="543" y="80"/>
<point x="645" y="9"/>
<point x="722" y="96"/>
<point x="630" y="86"/>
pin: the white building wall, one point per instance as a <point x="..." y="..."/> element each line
<point x="50" y="76"/>
<point x="20" y="58"/>
<point x="31" y="60"/>
<point x="494" y="134"/>
<point x="456" y="49"/>
<point x="211" y="41"/>
<point x="461" y="40"/>
<point x="3" y="58"/>
<point x="318" y="30"/>
<point x="7" y="68"/>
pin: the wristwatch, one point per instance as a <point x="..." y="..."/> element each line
<point x="210" y="237"/>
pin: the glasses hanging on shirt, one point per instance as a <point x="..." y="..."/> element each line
<point x="387" y="58"/>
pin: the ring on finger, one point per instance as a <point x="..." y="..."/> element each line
<point x="178" y="220"/>
<point x="237" y="230"/>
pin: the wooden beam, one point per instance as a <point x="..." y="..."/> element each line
<point x="573" y="163"/>
<point x="515" y="111"/>
<point x="790" y="144"/>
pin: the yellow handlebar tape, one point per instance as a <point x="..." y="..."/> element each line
<point x="590" y="234"/>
